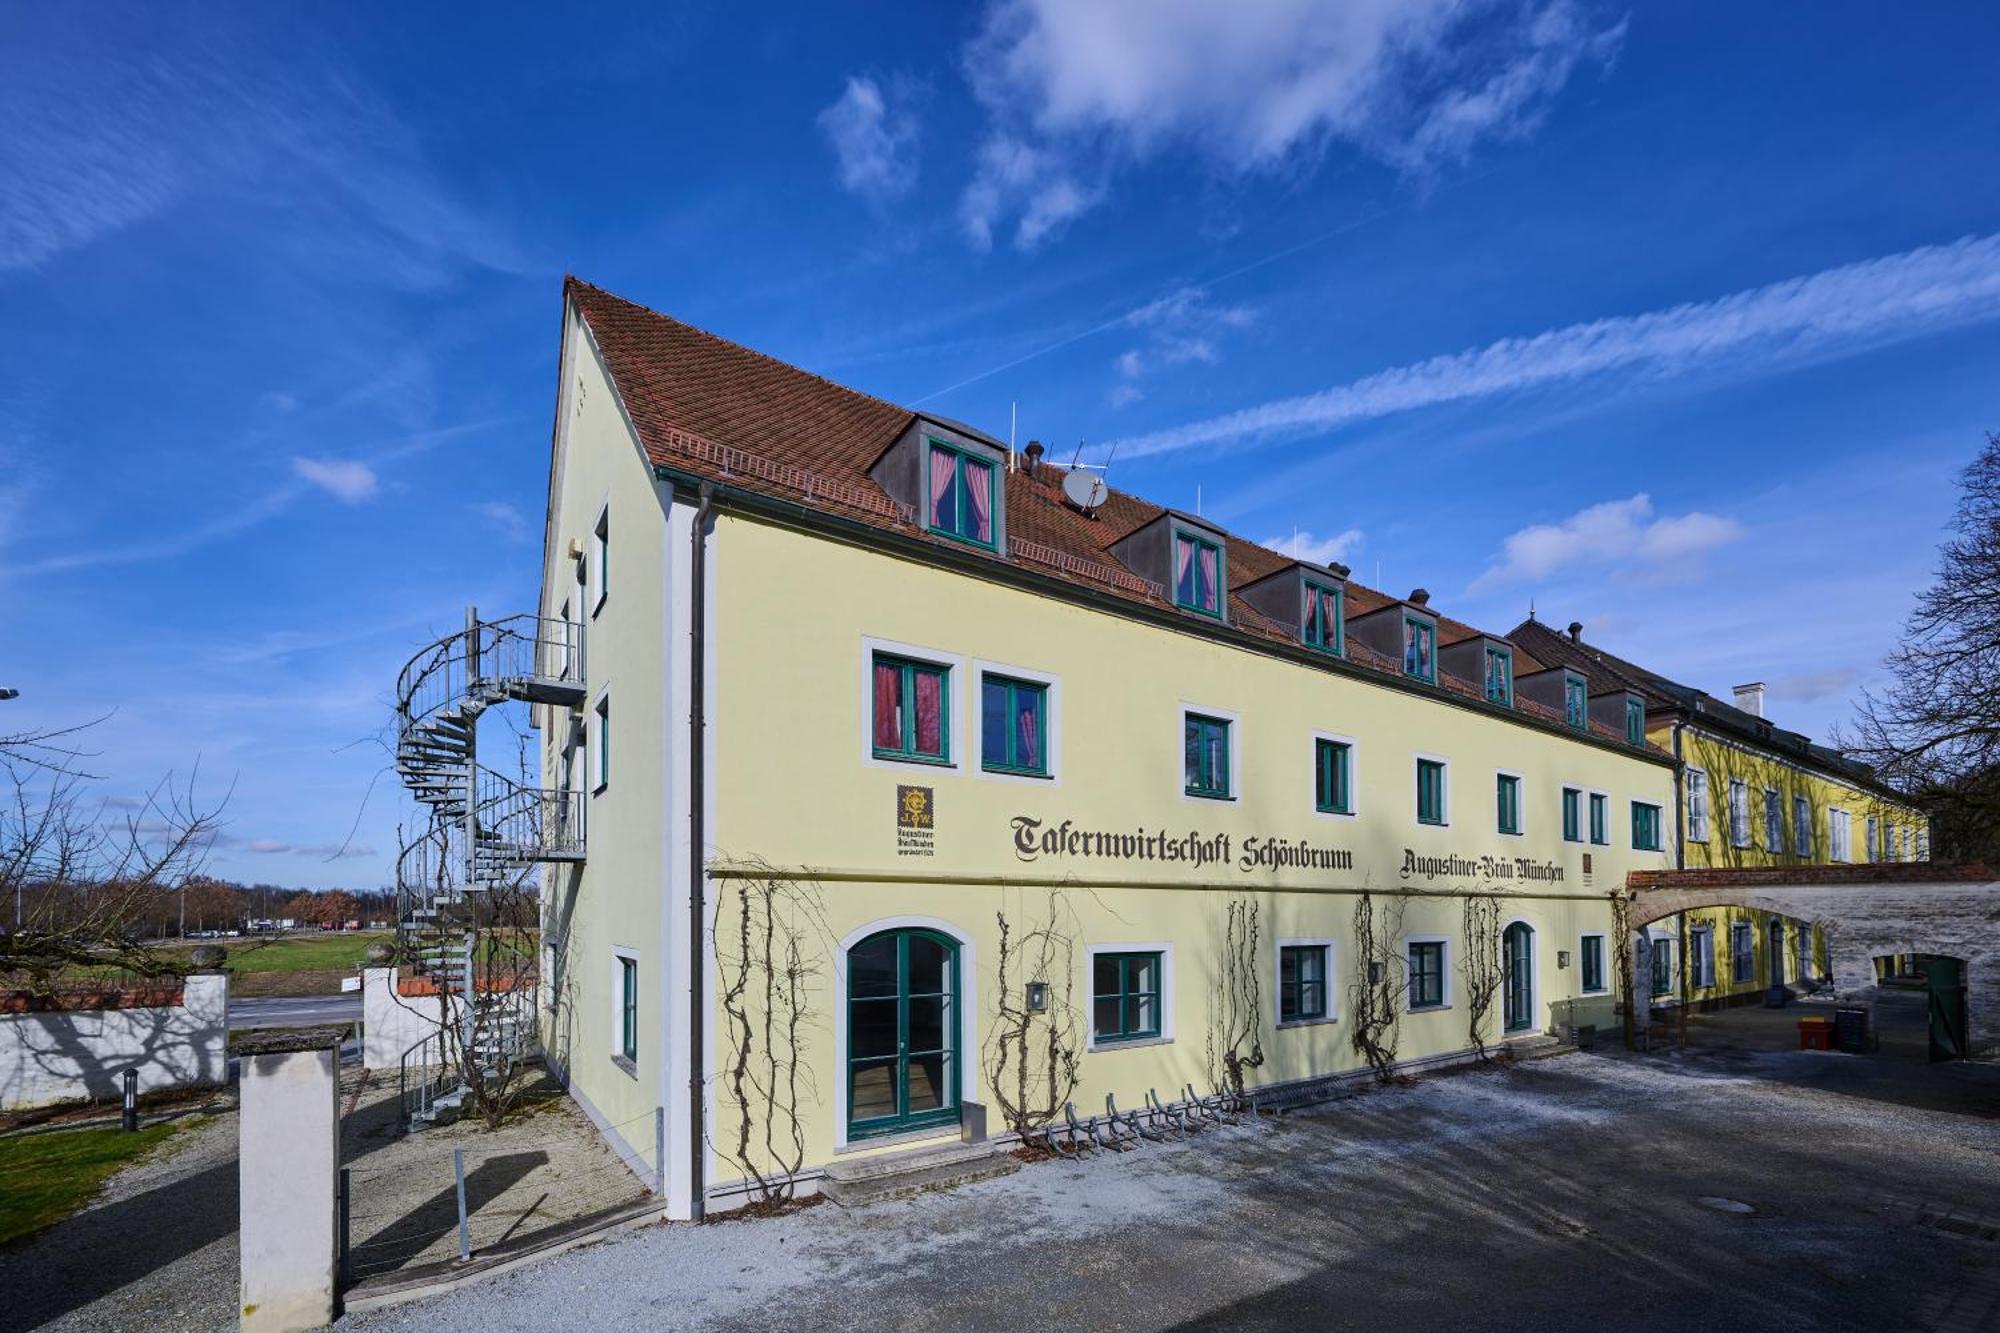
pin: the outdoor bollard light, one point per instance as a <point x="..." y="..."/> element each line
<point x="131" y="1116"/>
<point x="1038" y="997"/>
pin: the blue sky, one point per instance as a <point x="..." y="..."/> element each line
<point x="1676" y="319"/>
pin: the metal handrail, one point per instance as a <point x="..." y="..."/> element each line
<point x="418" y="1098"/>
<point x="517" y="647"/>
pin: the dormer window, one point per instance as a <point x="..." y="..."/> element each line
<point x="1635" y="722"/>
<point x="1419" y="648"/>
<point x="1197" y="574"/>
<point x="958" y="494"/>
<point x="1576" y="701"/>
<point x="1324" y="619"/>
<point x="1500" y="677"/>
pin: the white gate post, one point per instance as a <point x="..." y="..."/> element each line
<point x="289" y="1162"/>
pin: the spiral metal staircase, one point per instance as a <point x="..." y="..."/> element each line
<point x="482" y="832"/>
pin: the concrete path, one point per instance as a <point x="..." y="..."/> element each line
<point x="302" y="1011"/>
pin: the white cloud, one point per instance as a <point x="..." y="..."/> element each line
<point x="1824" y="314"/>
<point x="874" y="138"/>
<point x="1182" y="327"/>
<point x="1610" y="537"/>
<point x="511" y="523"/>
<point x="1302" y="545"/>
<point x="1124" y="394"/>
<point x="344" y="479"/>
<point x="1076" y="89"/>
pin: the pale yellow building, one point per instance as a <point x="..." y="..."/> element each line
<point x="880" y="710"/>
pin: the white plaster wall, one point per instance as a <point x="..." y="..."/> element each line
<point x="57" y="1057"/>
<point x="390" y="1023"/>
<point x="288" y="1151"/>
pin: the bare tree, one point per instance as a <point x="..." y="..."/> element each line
<point x="763" y="959"/>
<point x="1933" y="731"/>
<point x="1479" y="965"/>
<point x="80" y="882"/>
<point x="1377" y="992"/>
<point x="1236" y="1008"/>
<point x="1032" y="1055"/>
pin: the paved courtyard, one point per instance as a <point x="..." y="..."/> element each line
<point x="1719" y="1188"/>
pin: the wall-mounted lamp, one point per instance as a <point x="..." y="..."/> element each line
<point x="1038" y="997"/>
<point x="1374" y="972"/>
<point x="1562" y="958"/>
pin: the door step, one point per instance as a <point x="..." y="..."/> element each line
<point x="900" y="1175"/>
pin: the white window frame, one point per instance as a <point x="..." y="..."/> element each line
<point x="1166" y="1037"/>
<point x="1278" y="982"/>
<point x="1235" y="722"/>
<point x="957" y="674"/>
<point x="1520" y="802"/>
<point x="620" y="955"/>
<point x="1872" y="836"/>
<point x="1839" y="834"/>
<point x="1701" y="961"/>
<point x="1697" y="809"/>
<point x="1802" y="830"/>
<point x="1444" y="790"/>
<point x="1445" y="963"/>
<point x="600" y="559"/>
<point x="1603" y="963"/>
<point x="1739" y="813"/>
<point x="1353" y="810"/>
<point x="1051" y="729"/>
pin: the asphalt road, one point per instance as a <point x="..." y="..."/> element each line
<point x="301" y="1011"/>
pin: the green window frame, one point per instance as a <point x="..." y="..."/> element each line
<point x="1125" y="997"/>
<point x="917" y="1047"/>
<point x="1576" y="702"/>
<point x="960" y="525"/>
<point x="1011" y="747"/>
<point x="1590" y="955"/>
<point x="1507" y="799"/>
<point x="1188" y="585"/>
<point x="1635" y="722"/>
<point x="1333" y="777"/>
<point x="1645" y="826"/>
<point x="1572" y="814"/>
<point x="1426" y="964"/>
<point x="628" y="1008"/>
<point x="1500" y="677"/>
<point x="896" y="728"/>
<point x="1205" y="756"/>
<point x="1302" y="983"/>
<point x="1324" y="624"/>
<point x="1431" y="791"/>
<point x="601" y="549"/>
<point x="1600" y="819"/>
<point x="1419" y="648"/>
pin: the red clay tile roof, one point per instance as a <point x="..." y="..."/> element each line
<point x="712" y="408"/>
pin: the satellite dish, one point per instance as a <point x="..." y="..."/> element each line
<point x="1085" y="490"/>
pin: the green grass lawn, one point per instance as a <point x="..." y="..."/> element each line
<point x="342" y="950"/>
<point x="44" y="1177"/>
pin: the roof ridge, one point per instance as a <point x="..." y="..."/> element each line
<point x="571" y="280"/>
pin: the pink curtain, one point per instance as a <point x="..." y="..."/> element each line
<point x="1312" y="617"/>
<point x="943" y="469"/>
<point x="930" y="713"/>
<point x="1206" y="595"/>
<point x="1183" y="558"/>
<point x="1025" y="722"/>
<point x="979" y="486"/>
<point x="888" y="716"/>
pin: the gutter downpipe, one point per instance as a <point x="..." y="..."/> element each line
<point x="697" y="835"/>
<point x="1680" y="863"/>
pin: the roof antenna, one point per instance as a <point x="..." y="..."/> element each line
<point x="1013" y="424"/>
<point x="1531" y="608"/>
<point x="1197" y="499"/>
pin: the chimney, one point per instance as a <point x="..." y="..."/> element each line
<point x="1576" y="631"/>
<point x="1034" y="454"/>
<point x="1338" y="570"/>
<point x="1419" y="597"/>
<point x="1750" y="698"/>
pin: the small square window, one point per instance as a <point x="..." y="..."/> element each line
<point x="1430" y="792"/>
<point x="1125" y="996"/>
<point x="959" y="495"/>
<point x="1205" y="756"/>
<point x="1324" y="624"/>
<point x="1197" y="574"/>
<point x="912" y="705"/>
<point x="1419" y="648"/>
<point x="1507" y="795"/>
<point x="1013" y="726"/>
<point x="1426" y="974"/>
<point x="1645" y="827"/>
<point x="1332" y="777"/>
<point x="1302" y="983"/>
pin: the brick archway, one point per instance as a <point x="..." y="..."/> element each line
<point x="1866" y="911"/>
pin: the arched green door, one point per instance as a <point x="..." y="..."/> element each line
<point x="1517" y="952"/>
<point x="902" y="1032"/>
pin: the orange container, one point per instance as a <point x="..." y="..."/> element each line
<point x="1815" y="1034"/>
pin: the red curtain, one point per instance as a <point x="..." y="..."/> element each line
<point x="888" y="707"/>
<point x="930" y="713"/>
<point x="979" y="487"/>
<point x="1205" y="598"/>
<point x="943" y="470"/>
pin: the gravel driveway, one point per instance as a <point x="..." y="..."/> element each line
<point x="1721" y="1191"/>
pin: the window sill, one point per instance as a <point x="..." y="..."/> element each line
<point x="600" y="605"/>
<point x="1207" y="795"/>
<point x="1285" y="1024"/>
<point x="1429" y="1009"/>
<point x="600" y="789"/>
<point x="922" y="761"/>
<point x="999" y="772"/>
<point x="950" y="1129"/>
<point x="1117" y="1044"/>
<point x="631" y="1067"/>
